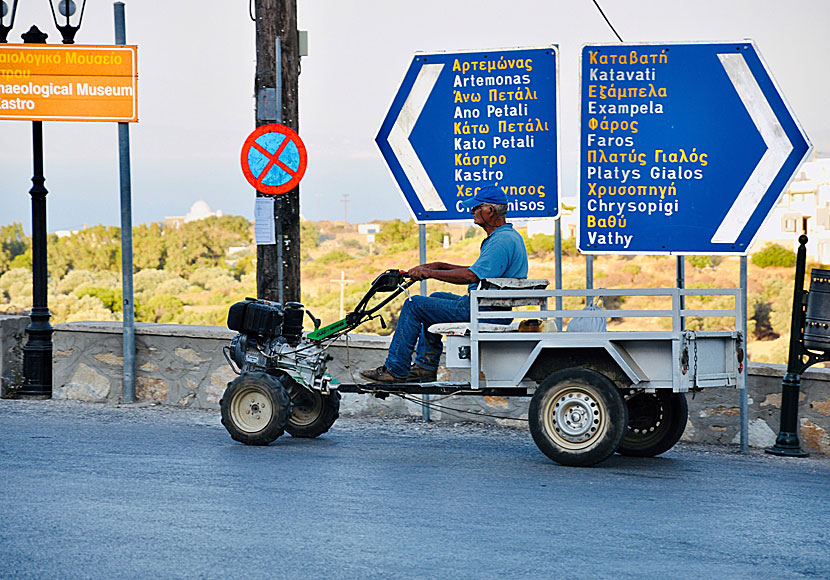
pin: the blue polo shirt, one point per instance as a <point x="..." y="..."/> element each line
<point x="503" y="255"/>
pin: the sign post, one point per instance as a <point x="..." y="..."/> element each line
<point x="685" y="148"/>
<point x="58" y="83"/>
<point x="461" y="121"/>
<point x="127" y="293"/>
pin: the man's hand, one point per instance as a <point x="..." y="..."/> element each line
<point x="419" y="273"/>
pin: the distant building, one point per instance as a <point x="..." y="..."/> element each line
<point x="803" y="209"/>
<point x="198" y="211"/>
<point x="367" y="229"/>
<point x="67" y="233"/>
<point x="567" y="220"/>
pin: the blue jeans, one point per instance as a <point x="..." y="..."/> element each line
<point x="417" y="315"/>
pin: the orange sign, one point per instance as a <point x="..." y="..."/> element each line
<point x="68" y="83"/>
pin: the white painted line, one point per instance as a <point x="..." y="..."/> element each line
<point x="778" y="149"/>
<point x="402" y="129"/>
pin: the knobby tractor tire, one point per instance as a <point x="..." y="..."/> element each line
<point x="312" y="413"/>
<point x="656" y="422"/>
<point x="577" y="417"/>
<point x="255" y="408"/>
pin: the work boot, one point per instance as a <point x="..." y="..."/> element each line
<point x="381" y="375"/>
<point x="421" y="375"/>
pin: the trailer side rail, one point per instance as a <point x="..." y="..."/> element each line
<point x="678" y="316"/>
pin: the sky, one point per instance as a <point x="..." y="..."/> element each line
<point x="196" y="64"/>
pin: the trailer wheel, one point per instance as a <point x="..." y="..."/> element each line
<point x="312" y="413"/>
<point x="255" y="408"/>
<point x="577" y="417"/>
<point x="656" y="422"/>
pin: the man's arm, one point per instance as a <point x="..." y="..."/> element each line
<point x="453" y="275"/>
<point x="442" y="266"/>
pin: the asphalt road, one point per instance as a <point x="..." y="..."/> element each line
<point x="93" y="491"/>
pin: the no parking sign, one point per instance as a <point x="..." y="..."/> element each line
<point x="274" y="159"/>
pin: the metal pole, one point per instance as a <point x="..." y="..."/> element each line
<point x="744" y="393"/>
<point x="589" y="273"/>
<point x="37" y="353"/>
<point x="278" y="60"/>
<point x="422" y="256"/>
<point x="127" y="304"/>
<point x="681" y="283"/>
<point x="557" y="242"/>
<point x="280" y="284"/>
<point x="787" y="441"/>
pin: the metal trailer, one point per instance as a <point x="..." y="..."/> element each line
<point x="592" y="392"/>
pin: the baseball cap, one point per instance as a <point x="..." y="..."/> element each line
<point x="489" y="194"/>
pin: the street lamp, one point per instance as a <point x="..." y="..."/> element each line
<point x="37" y="352"/>
<point x="70" y="18"/>
<point x="6" y="18"/>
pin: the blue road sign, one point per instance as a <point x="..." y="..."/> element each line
<point x="461" y="121"/>
<point x="685" y="148"/>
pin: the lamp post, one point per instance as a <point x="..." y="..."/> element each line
<point x="37" y="353"/>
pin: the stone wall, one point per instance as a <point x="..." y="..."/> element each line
<point x="184" y="366"/>
<point x="714" y="414"/>
<point x="12" y="334"/>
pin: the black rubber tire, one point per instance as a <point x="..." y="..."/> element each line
<point x="255" y="408"/>
<point x="656" y="422"/>
<point x="577" y="417"/>
<point x="312" y="413"/>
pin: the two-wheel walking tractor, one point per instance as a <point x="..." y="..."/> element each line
<point x="592" y="393"/>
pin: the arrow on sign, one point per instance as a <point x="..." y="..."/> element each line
<point x="402" y="129"/>
<point x="778" y="150"/>
<point x="460" y="121"/>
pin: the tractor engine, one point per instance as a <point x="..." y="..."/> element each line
<point x="270" y="340"/>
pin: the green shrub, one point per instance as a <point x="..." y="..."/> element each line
<point x="701" y="262"/>
<point x="774" y="255"/>
<point x="159" y="308"/>
<point x="335" y="256"/>
<point x="110" y="298"/>
<point x="543" y="243"/>
<point x="540" y="244"/>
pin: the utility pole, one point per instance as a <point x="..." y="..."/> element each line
<point x="276" y="34"/>
<point x="345" y="201"/>
<point x="342" y="281"/>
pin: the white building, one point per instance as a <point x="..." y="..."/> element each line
<point x="368" y="229"/>
<point x="567" y="218"/>
<point x="198" y="211"/>
<point x="803" y="209"/>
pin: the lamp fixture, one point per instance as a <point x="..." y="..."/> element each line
<point x="6" y="18"/>
<point x="68" y="18"/>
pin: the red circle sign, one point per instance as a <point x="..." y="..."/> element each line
<point x="274" y="159"/>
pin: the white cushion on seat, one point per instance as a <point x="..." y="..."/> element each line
<point x="463" y="328"/>
<point x="515" y="283"/>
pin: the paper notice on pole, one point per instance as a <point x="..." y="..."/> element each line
<point x="264" y="221"/>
